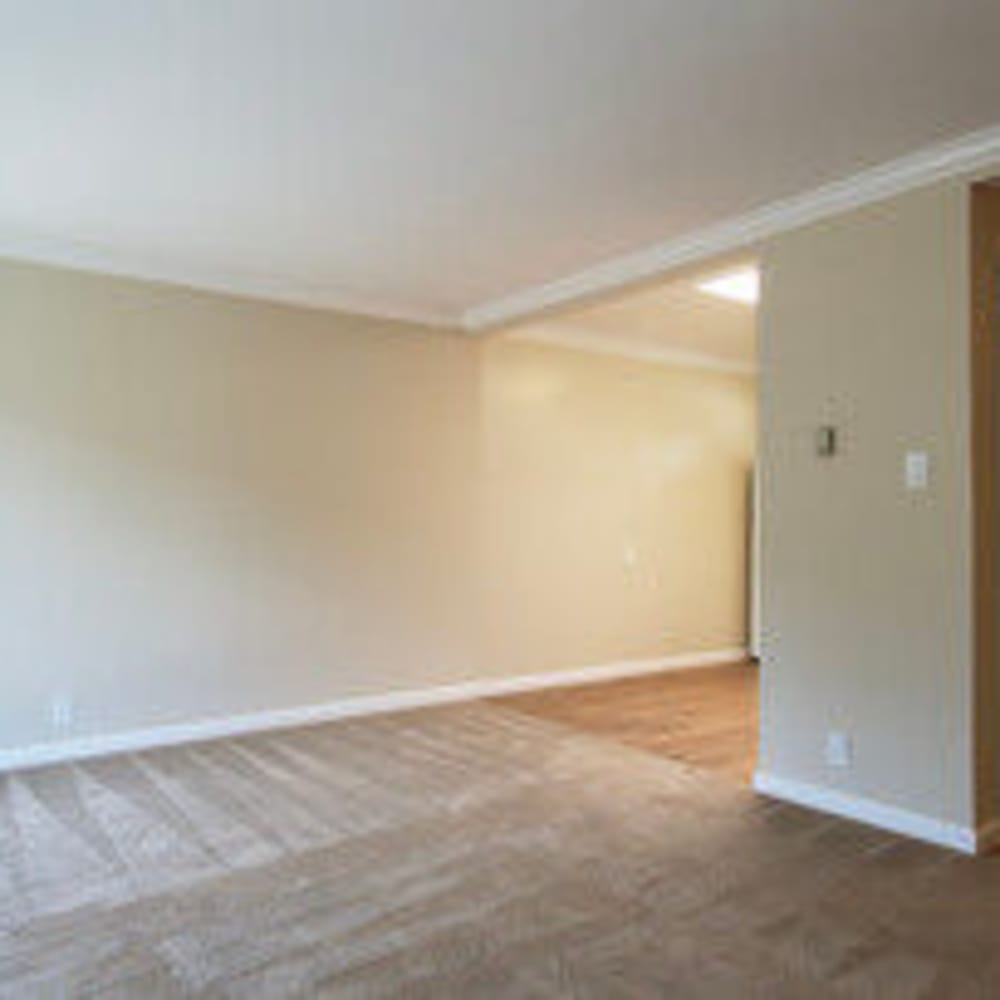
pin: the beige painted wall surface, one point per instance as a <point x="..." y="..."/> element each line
<point x="867" y="588"/>
<point x="616" y="506"/>
<point x="212" y="506"/>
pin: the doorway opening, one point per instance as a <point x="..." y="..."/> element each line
<point x="647" y="435"/>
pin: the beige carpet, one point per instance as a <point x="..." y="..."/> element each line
<point x="471" y="852"/>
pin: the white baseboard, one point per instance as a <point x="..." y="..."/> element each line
<point x="101" y="745"/>
<point x="871" y="812"/>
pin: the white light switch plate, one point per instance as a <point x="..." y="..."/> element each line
<point x="917" y="470"/>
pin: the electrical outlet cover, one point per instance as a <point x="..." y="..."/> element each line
<point x="62" y="712"/>
<point x="838" y="749"/>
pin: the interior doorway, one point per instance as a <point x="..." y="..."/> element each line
<point x="678" y="393"/>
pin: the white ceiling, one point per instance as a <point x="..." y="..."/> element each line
<point x="672" y="322"/>
<point x="424" y="157"/>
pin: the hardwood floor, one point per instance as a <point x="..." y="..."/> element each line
<point x="706" y="717"/>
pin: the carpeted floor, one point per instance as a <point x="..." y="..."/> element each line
<point x="468" y="851"/>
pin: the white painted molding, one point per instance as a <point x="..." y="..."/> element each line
<point x="965" y="155"/>
<point x="92" y="258"/>
<point x="870" y="812"/>
<point x="574" y="338"/>
<point x="15" y="758"/>
<point x="958" y="157"/>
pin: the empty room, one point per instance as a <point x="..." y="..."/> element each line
<point x="499" y="499"/>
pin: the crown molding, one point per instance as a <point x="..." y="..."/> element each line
<point x="578" y="339"/>
<point x="95" y="258"/>
<point x="965" y="155"/>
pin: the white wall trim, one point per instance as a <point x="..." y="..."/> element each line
<point x="36" y="755"/>
<point x="93" y="258"/>
<point x="574" y="338"/>
<point x="869" y="811"/>
<point x="956" y="157"/>
<point x="962" y="156"/>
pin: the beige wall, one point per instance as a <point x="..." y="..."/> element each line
<point x="213" y="506"/>
<point x="867" y="588"/>
<point x="615" y="506"/>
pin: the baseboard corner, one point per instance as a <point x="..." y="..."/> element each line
<point x="871" y="812"/>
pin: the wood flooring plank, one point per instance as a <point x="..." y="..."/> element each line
<point x="705" y="717"/>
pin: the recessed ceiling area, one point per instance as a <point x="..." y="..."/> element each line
<point x="429" y="158"/>
<point x="677" y="321"/>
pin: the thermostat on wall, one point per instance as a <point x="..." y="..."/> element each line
<point x="826" y="441"/>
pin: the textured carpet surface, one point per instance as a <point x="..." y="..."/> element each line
<point x="468" y="851"/>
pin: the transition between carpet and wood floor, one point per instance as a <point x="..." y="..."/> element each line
<point x="467" y="851"/>
<point x="706" y="717"/>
